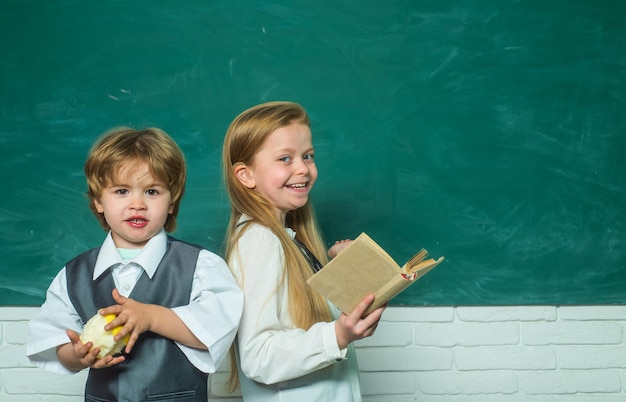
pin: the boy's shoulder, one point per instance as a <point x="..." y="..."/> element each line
<point x="171" y="239"/>
<point x="202" y="251"/>
<point x="85" y="255"/>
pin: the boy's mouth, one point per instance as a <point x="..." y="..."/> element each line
<point x="298" y="185"/>
<point x="136" y="221"/>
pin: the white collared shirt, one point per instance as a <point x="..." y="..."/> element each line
<point x="212" y="315"/>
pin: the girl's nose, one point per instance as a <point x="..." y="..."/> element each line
<point x="301" y="166"/>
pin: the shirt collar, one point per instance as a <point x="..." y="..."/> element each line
<point x="243" y="218"/>
<point x="148" y="259"/>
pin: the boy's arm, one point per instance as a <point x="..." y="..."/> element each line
<point x="210" y="320"/>
<point x="47" y="330"/>
<point x="137" y="318"/>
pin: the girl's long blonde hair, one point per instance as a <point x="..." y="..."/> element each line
<point x="244" y="138"/>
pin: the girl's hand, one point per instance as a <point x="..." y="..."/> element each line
<point x="349" y="328"/>
<point x="338" y="247"/>
<point x="76" y="356"/>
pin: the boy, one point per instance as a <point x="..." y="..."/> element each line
<point x="177" y="302"/>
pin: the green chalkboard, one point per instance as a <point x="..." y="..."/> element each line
<point x="490" y="132"/>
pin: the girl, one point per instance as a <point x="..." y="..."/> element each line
<point x="291" y="345"/>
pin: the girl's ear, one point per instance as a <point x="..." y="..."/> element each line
<point x="244" y="175"/>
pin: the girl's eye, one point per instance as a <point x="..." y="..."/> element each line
<point x="121" y="191"/>
<point x="152" y="192"/>
<point x="285" y="159"/>
<point x="308" y="157"/>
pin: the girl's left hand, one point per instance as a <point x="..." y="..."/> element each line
<point x="349" y="328"/>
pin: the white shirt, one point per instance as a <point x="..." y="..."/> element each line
<point x="277" y="361"/>
<point x="212" y="314"/>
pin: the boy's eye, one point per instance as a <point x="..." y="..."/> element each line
<point x="308" y="157"/>
<point x="285" y="158"/>
<point x="152" y="192"/>
<point x="121" y="191"/>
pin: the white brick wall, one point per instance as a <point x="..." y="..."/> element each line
<point x="426" y="354"/>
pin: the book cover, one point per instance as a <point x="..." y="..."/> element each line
<point x="363" y="268"/>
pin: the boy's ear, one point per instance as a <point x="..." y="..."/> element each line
<point x="244" y="175"/>
<point x="98" y="205"/>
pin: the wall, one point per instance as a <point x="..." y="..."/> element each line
<point x="489" y="132"/>
<point x="428" y="354"/>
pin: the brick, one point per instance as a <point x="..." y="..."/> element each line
<point x="570" y="382"/>
<point x="593" y="398"/>
<point x="505" y="358"/>
<point x="388" y="383"/>
<point x="24" y="398"/>
<point x="418" y="314"/>
<point x="16" y="332"/>
<point x="17" y="313"/>
<point x="572" y="333"/>
<point x="389" y="334"/>
<point x="40" y="382"/>
<point x="507" y="313"/>
<point x="466" y="334"/>
<point x="451" y="383"/>
<point x="13" y="356"/>
<point x="404" y="359"/>
<point x="401" y="398"/>
<point x="499" y="398"/>
<point x="593" y="313"/>
<point x="591" y="357"/>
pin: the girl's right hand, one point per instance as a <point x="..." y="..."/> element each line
<point x="338" y="247"/>
<point x="349" y="328"/>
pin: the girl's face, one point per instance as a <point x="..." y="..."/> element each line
<point x="135" y="206"/>
<point x="283" y="170"/>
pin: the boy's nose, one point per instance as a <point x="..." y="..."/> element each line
<point x="137" y="202"/>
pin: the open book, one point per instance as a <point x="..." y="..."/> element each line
<point x="363" y="268"/>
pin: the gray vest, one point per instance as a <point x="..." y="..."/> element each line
<point x="156" y="369"/>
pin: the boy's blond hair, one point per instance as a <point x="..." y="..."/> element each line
<point x="122" y="145"/>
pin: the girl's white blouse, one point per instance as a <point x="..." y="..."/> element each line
<point x="277" y="361"/>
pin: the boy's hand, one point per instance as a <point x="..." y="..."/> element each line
<point x="137" y="318"/>
<point x="76" y="356"/>
<point x="133" y="316"/>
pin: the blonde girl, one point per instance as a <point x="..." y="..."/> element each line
<point x="291" y="345"/>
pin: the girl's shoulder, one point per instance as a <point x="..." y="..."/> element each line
<point x="257" y="233"/>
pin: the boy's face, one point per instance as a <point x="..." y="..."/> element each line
<point x="135" y="206"/>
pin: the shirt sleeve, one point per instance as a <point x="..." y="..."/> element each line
<point x="213" y="313"/>
<point x="271" y="348"/>
<point x="46" y="330"/>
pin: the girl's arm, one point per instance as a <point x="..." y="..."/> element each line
<point x="271" y="349"/>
